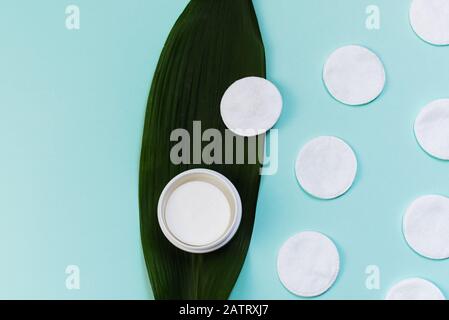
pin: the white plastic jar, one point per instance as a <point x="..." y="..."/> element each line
<point x="199" y="211"/>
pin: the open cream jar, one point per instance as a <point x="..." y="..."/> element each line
<point x="199" y="211"/>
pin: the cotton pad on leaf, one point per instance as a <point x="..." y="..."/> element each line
<point x="430" y="20"/>
<point x="426" y="226"/>
<point x="326" y="167"/>
<point x="354" y="75"/>
<point x="308" y="264"/>
<point x="432" y="129"/>
<point x="415" y="289"/>
<point x="251" y="106"/>
<point x="198" y="213"/>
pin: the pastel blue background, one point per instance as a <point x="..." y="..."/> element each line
<point x="71" y="113"/>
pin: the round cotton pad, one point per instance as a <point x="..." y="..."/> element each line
<point x="326" y="167"/>
<point x="354" y="75"/>
<point x="415" y="289"/>
<point x="426" y="226"/>
<point x="308" y="264"/>
<point x="251" y="106"/>
<point x="430" y="20"/>
<point x="432" y="129"/>
<point x="198" y="213"/>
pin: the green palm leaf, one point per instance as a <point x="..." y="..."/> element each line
<point x="213" y="44"/>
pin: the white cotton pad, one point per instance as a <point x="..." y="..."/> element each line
<point x="326" y="167"/>
<point x="251" y="106"/>
<point x="426" y="226"/>
<point x="198" y="213"/>
<point x="354" y="75"/>
<point x="308" y="264"/>
<point x="432" y="129"/>
<point x="430" y="20"/>
<point x="415" y="289"/>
